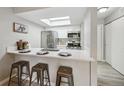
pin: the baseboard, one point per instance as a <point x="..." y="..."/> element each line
<point x="101" y="61"/>
<point x="117" y="70"/>
<point x="5" y="80"/>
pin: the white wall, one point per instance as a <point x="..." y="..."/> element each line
<point x="100" y="21"/>
<point x="100" y="42"/>
<point x="90" y="32"/>
<point x="100" y="39"/>
<point x="90" y="39"/>
<point x="94" y="33"/>
<point x="87" y="32"/>
<point x="8" y="38"/>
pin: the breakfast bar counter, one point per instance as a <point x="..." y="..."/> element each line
<point x="84" y="67"/>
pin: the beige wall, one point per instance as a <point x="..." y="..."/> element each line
<point x="8" y="37"/>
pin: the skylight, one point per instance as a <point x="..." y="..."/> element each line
<point x="61" y="18"/>
<point x="57" y="21"/>
<point x="46" y="21"/>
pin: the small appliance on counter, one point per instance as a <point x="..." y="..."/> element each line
<point x="64" y="54"/>
<point x="42" y="52"/>
<point x="22" y="45"/>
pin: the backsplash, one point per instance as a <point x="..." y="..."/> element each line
<point x="62" y="41"/>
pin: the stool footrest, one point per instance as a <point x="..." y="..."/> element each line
<point x="15" y="79"/>
<point x="64" y="82"/>
<point x="33" y="80"/>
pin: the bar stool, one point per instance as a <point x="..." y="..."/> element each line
<point x="65" y="72"/>
<point x="40" y="69"/>
<point x="20" y="67"/>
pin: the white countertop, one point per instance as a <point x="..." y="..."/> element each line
<point x="78" y="55"/>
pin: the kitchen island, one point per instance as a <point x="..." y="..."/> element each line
<point x="84" y="67"/>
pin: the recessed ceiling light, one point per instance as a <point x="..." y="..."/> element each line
<point x="102" y="9"/>
<point x="57" y="21"/>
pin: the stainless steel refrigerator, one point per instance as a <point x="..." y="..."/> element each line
<point x="49" y="39"/>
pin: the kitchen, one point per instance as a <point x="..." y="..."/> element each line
<point x="54" y="36"/>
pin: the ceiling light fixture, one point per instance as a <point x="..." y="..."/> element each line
<point x="102" y="9"/>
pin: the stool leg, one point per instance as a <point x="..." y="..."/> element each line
<point x="18" y="69"/>
<point x="10" y="76"/>
<point x="41" y="78"/>
<point x="21" y="72"/>
<point x="18" y="76"/>
<point x="48" y="77"/>
<point x="58" y="80"/>
<point x="70" y="81"/>
<point x="31" y="78"/>
<point x="38" y="77"/>
<point x="28" y="69"/>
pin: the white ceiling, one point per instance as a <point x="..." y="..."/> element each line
<point x="107" y="13"/>
<point x="76" y="14"/>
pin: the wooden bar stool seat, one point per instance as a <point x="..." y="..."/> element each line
<point x="20" y="67"/>
<point x="40" y="69"/>
<point x="65" y="72"/>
